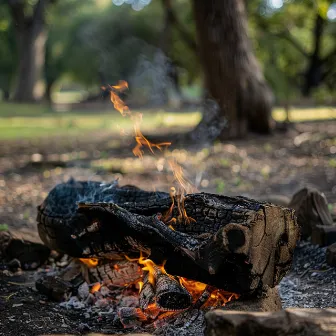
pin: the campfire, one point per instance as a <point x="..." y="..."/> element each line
<point x="155" y="255"/>
<point x="127" y="249"/>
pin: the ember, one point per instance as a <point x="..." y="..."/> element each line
<point x="168" y="253"/>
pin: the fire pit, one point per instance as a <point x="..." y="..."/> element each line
<point x="155" y="257"/>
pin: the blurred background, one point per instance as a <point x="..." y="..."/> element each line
<point x="245" y="90"/>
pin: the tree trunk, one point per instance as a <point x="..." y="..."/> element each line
<point x="232" y="74"/>
<point x="5" y="95"/>
<point x="31" y="35"/>
<point x="31" y="46"/>
<point x="314" y="73"/>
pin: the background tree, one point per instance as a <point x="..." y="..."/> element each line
<point x="29" y="20"/>
<point x="233" y="77"/>
<point x="301" y="34"/>
<point x="8" y="54"/>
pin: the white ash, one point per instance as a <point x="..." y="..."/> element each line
<point x="188" y="323"/>
<point x="311" y="282"/>
<point x="83" y="291"/>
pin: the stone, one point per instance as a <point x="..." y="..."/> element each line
<point x="293" y="322"/>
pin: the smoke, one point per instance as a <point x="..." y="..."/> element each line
<point x="150" y="77"/>
<point x="211" y="125"/>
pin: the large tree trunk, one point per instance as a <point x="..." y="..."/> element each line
<point x="31" y="35"/>
<point x="233" y="77"/>
<point x="314" y="73"/>
<point x="31" y="46"/>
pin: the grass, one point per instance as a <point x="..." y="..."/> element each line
<point x="31" y="121"/>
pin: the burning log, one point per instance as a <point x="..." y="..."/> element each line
<point x="163" y="292"/>
<point x="170" y="295"/>
<point x="115" y="273"/>
<point x="233" y="243"/>
<point x="236" y="244"/>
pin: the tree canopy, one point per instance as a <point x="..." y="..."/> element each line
<point x="93" y="42"/>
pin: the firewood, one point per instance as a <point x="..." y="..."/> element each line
<point x="236" y="244"/>
<point x="232" y="243"/>
<point x="311" y="209"/>
<point x="164" y="293"/>
<point x="331" y="255"/>
<point x="294" y="322"/>
<point x="30" y="255"/>
<point x="323" y="235"/>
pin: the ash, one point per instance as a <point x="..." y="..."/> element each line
<point x="108" y="306"/>
<point x="311" y="282"/>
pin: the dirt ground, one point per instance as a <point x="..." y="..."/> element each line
<point x="259" y="167"/>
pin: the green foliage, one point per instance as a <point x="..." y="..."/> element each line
<point x="3" y="227"/>
<point x="96" y="44"/>
<point x="93" y="41"/>
<point x="283" y="39"/>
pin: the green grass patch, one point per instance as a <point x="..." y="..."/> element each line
<point x="3" y="227"/>
<point x="305" y="114"/>
<point x="36" y="120"/>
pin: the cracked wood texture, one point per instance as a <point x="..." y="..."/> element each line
<point x="234" y="243"/>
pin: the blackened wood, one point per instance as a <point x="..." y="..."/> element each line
<point x="233" y="243"/>
<point x="164" y="292"/>
<point x="236" y="244"/>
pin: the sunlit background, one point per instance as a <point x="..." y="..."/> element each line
<point x="57" y="122"/>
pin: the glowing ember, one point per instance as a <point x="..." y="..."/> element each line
<point x="92" y="262"/>
<point x="203" y="295"/>
<point x="95" y="287"/>
<point x="217" y="297"/>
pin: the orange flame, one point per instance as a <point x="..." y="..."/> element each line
<point x="186" y="186"/>
<point x="95" y="287"/>
<point x="142" y="140"/>
<point x="218" y="297"/>
<point x="140" y="284"/>
<point x="124" y="110"/>
<point x="91" y="262"/>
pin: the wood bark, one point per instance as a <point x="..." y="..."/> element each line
<point x="311" y="209"/>
<point x="289" y="322"/>
<point x="233" y="77"/>
<point x="235" y="244"/>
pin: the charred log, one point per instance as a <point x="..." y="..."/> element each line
<point x="233" y="243"/>
<point x="164" y="293"/>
